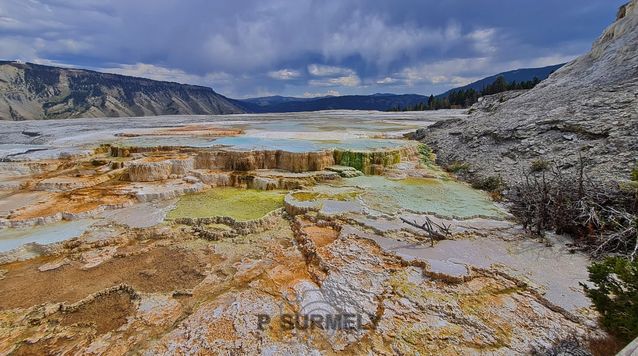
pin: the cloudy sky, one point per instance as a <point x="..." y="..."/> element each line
<point x="303" y="47"/>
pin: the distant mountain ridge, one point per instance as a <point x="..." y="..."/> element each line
<point x="345" y="102"/>
<point x="277" y="99"/>
<point x="33" y="91"/>
<point x="380" y="101"/>
<point x="518" y="75"/>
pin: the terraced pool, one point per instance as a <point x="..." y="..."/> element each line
<point x="262" y="143"/>
<point x="424" y="195"/>
<point x="239" y="204"/>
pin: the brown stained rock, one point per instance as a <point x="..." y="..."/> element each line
<point x="487" y="313"/>
<point x="225" y="325"/>
<point x="263" y="274"/>
<point x="25" y="286"/>
<point x="159" y="309"/>
<point x="320" y="235"/>
<point x="105" y="312"/>
<point x="50" y="346"/>
<point x="74" y="204"/>
<point x="96" y="257"/>
<point x="50" y="266"/>
<point x="56" y="329"/>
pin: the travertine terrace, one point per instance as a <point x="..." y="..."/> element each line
<point x="182" y="235"/>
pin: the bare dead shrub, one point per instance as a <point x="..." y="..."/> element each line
<point x="434" y="230"/>
<point x="601" y="216"/>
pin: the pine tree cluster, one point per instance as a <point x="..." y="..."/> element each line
<point x="460" y="99"/>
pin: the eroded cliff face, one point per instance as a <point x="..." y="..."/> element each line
<point x="589" y="107"/>
<point x="31" y="91"/>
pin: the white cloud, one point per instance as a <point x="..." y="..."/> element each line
<point x="448" y="72"/>
<point x="387" y="80"/>
<point x="284" y="74"/>
<point x="320" y="70"/>
<point x="461" y="71"/>
<point x="48" y="62"/>
<point x="327" y="93"/>
<point x="549" y="60"/>
<point x="484" y="40"/>
<point x="381" y="43"/>
<point x="351" y="80"/>
<point x="461" y="81"/>
<point x="333" y="76"/>
<point x="15" y="48"/>
<point x="168" y="74"/>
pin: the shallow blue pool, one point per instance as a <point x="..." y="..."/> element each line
<point x="260" y="143"/>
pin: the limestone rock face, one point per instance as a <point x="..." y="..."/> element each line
<point x="589" y="107"/>
<point x="145" y="171"/>
<point x="252" y="160"/>
<point x="149" y="171"/>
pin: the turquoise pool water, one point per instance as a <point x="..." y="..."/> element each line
<point x="169" y="141"/>
<point x="261" y="143"/>
<point x="13" y="238"/>
<point x="293" y="145"/>
<point x="445" y="198"/>
<point x="336" y="125"/>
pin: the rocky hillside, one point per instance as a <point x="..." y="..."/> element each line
<point x="587" y="108"/>
<point x="31" y="91"/>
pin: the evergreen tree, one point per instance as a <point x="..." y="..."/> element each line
<point x="615" y="295"/>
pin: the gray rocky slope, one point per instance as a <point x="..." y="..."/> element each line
<point x="587" y="108"/>
<point x="31" y="91"/>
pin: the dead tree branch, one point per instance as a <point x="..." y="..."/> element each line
<point x="434" y="230"/>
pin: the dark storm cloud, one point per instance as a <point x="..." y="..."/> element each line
<point x="243" y="48"/>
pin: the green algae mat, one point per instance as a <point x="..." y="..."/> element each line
<point x="239" y="204"/>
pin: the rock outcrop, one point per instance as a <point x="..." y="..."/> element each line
<point x="587" y="108"/>
<point x="32" y="91"/>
